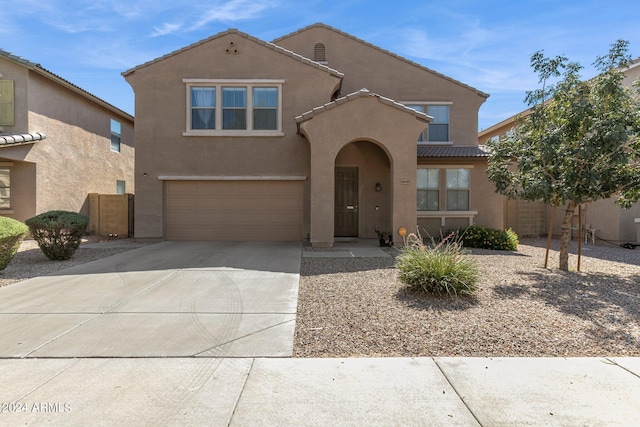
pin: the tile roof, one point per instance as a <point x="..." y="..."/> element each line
<point x="361" y="94"/>
<point x="66" y="83"/>
<point x="21" y="138"/>
<point x="452" y="151"/>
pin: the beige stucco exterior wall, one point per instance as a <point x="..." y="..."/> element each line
<point x="163" y="150"/>
<point x="610" y="221"/>
<point x="366" y="66"/>
<point x="74" y="160"/>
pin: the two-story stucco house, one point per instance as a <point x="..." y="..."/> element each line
<point x="58" y="143"/>
<point x="316" y="135"/>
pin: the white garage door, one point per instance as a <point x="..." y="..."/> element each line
<point x="233" y="210"/>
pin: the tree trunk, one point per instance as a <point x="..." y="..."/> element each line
<point x="565" y="237"/>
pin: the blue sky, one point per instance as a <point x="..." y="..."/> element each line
<point x="485" y="44"/>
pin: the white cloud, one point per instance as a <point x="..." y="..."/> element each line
<point x="165" y="29"/>
<point x="234" y="10"/>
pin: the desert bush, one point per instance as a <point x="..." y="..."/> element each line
<point x="444" y="268"/>
<point x="487" y="238"/>
<point x="11" y="234"/>
<point x="58" y="233"/>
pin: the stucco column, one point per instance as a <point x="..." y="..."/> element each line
<point x="403" y="178"/>
<point x="322" y="196"/>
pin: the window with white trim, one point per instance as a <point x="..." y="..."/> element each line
<point x="457" y="181"/>
<point x="121" y="187"/>
<point x="428" y="184"/>
<point x="116" y="135"/>
<point x="431" y="192"/>
<point x="5" y="188"/>
<point x="7" y="107"/>
<point x="203" y="107"/>
<point x="234" y="107"/>
<point x="438" y="130"/>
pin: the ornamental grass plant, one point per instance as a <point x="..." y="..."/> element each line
<point x="440" y="269"/>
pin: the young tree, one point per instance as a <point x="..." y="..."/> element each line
<point x="580" y="142"/>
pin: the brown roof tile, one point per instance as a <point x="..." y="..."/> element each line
<point x="452" y="151"/>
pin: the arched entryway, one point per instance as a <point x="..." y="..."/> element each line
<point x="342" y="132"/>
<point x="362" y="201"/>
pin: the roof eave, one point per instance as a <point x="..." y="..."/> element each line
<point x="319" y="24"/>
<point x="234" y="31"/>
<point x="65" y="83"/>
<point x="308" y="115"/>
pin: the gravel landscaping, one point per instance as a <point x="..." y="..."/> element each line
<point x="357" y="307"/>
<point x="30" y="262"/>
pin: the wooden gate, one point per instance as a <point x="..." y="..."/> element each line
<point x="111" y="215"/>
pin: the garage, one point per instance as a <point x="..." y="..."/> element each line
<point x="233" y="210"/>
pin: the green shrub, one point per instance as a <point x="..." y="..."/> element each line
<point x="58" y="233"/>
<point x="442" y="269"/>
<point x="488" y="238"/>
<point x="11" y="234"/>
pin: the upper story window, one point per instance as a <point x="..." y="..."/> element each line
<point x="203" y="108"/>
<point x="438" y="130"/>
<point x="116" y="135"/>
<point x="439" y="127"/>
<point x="7" y="115"/>
<point x="234" y="107"/>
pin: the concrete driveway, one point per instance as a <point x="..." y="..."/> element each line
<point x="171" y="299"/>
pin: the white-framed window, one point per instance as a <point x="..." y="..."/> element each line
<point x="234" y="107"/>
<point x="5" y="188"/>
<point x="116" y="135"/>
<point x="121" y="187"/>
<point x="457" y="182"/>
<point x="203" y="107"/>
<point x="443" y="186"/>
<point x="438" y="130"/>
<point x="7" y="107"/>
<point x="428" y="184"/>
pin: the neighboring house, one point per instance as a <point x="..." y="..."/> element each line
<point x="316" y="135"/>
<point x="58" y="143"/>
<point x="604" y="218"/>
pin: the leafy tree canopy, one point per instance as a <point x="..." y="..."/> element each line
<point x="580" y="141"/>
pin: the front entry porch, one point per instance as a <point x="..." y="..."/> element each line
<point x="378" y="137"/>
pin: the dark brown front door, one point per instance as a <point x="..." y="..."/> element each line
<point x="346" y="202"/>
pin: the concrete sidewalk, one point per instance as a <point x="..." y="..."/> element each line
<point x="321" y="392"/>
